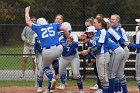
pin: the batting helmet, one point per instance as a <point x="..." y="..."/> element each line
<point x="41" y="21"/>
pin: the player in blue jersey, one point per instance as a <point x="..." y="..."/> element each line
<point x="117" y="55"/>
<point x="118" y="35"/>
<point x="70" y="56"/>
<point x="137" y="47"/>
<point x="87" y="37"/>
<point x="59" y="19"/>
<point x="102" y="54"/>
<point x="49" y="39"/>
<point x="40" y="72"/>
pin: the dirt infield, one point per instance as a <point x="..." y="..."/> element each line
<point x="69" y="89"/>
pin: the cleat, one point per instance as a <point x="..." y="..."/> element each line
<point x="46" y="91"/>
<point x="39" y="90"/>
<point x="94" y="87"/>
<point x="53" y="85"/>
<point x="99" y="91"/>
<point x="61" y="87"/>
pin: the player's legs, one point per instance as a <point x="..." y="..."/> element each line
<point x="114" y="67"/>
<point x="123" y="80"/>
<point x="96" y="73"/>
<point x="102" y="68"/>
<point x="26" y="50"/>
<point x="75" y="64"/>
<point x="39" y="73"/>
<point x="24" y="62"/>
<point x="63" y="63"/>
<point x="137" y="66"/>
<point x="49" y="73"/>
<point x="33" y="59"/>
<point x="48" y="55"/>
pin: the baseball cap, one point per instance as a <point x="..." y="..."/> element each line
<point x="90" y="29"/>
<point x="41" y="21"/>
<point x="137" y="20"/>
<point x="67" y="25"/>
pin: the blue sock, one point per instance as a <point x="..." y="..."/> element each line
<point x="80" y="84"/>
<point x="119" y="86"/>
<point x="138" y="83"/>
<point x="49" y="74"/>
<point x="63" y="77"/>
<point x="123" y="84"/>
<point x="111" y="85"/>
<point x="39" y="80"/>
<point x="116" y="85"/>
<point x="105" y="89"/>
<point x="55" y="65"/>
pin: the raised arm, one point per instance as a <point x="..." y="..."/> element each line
<point x="27" y="16"/>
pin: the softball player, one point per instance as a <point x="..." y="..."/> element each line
<point x="89" y="35"/>
<point x="70" y="56"/>
<point x="137" y="65"/>
<point x="118" y="35"/>
<point x="49" y="39"/>
<point x="40" y="72"/>
<point x="137" y="46"/>
<point x="59" y="19"/>
<point x="116" y="64"/>
<point x="102" y="55"/>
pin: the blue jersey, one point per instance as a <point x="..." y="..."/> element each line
<point x="116" y="35"/>
<point x="48" y="34"/>
<point x="90" y="54"/>
<point x="112" y="45"/>
<point x="100" y="40"/>
<point x="68" y="49"/>
<point x="37" y="46"/>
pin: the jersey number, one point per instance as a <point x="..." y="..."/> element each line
<point x="48" y="32"/>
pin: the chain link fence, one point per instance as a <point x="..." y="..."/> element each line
<point x="74" y="11"/>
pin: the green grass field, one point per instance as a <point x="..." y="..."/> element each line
<point x="12" y="62"/>
<point x="87" y="82"/>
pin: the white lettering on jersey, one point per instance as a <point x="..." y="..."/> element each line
<point x="50" y="31"/>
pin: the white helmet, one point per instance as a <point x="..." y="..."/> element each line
<point x="67" y="26"/>
<point x="90" y="29"/>
<point x="41" y="21"/>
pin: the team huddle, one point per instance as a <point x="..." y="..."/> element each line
<point x="56" y="47"/>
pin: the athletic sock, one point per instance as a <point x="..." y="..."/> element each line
<point x="49" y="74"/>
<point x="111" y="85"/>
<point x="63" y="77"/>
<point x="39" y="80"/>
<point x="123" y="84"/>
<point x="116" y="85"/>
<point x="138" y="83"/>
<point x="80" y="84"/>
<point x="106" y="89"/>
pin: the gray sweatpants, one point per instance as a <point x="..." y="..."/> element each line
<point x="48" y="55"/>
<point x="75" y="64"/>
<point x="137" y="66"/>
<point x="102" y="61"/>
<point x="40" y="65"/>
<point x="116" y="66"/>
